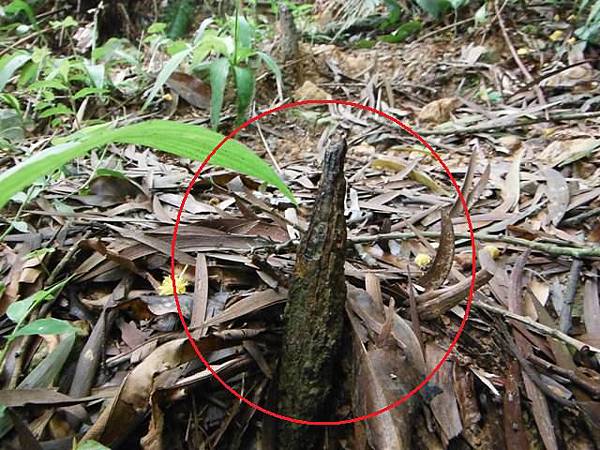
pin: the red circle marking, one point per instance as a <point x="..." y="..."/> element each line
<point x="473" y="262"/>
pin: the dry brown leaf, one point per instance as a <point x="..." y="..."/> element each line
<point x="253" y="303"/>
<point x="439" y="111"/>
<point x="444" y="405"/>
<point x="310" y="91"/>
<point x="560" y="153"/>
<point x="132" y="402"/>
<point x="194" y="91"/>
<point x="442" y="264"/>
<point x="382" y="377"/>
<point x="557" y="191"/>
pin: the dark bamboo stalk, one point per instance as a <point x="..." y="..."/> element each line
<point x="314" y="316"/>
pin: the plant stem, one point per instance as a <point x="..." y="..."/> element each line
<point x="551" y="249"/>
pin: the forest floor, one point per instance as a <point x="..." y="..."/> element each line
<point x="508" y="106"/>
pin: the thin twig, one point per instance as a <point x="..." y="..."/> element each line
<point x="502" y="125"/>
<point x="543" y="329"/>
<point x="522" y="68"/>
<point x="551" y="249"/>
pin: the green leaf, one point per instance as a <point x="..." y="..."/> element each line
<point x="456" y="4"/>
<point x="481" y="16"/>
<point x="244" y="84"/>
<point x="11" y="101"/>
<point x="157" y="27"/>
<point x="18" y="310"/>
<point x="87" y="91"/>
<point x="274" y="68"/>
<point x="168" y="69"/>
<point x="43" y="375"/>
<point x="91" y="445"/>
<point x="17" y="6"/>
<point x="96" y="72"/>
<point x="186" y="140"/>
<point x="244" y="32"/>
<point x="403" y="32"/>
<point x="58" y="110"/>
<point x="10" y="64"/>
<point x="433" y="7"/>
<point x="46" y="326"/>
<point x="219" y="70"/>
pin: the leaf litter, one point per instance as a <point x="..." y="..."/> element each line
<point x="526" y="371"/>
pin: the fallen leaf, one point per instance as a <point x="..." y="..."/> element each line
<point x="310" y="91"/>
<point x="194" y="91"/>
<point x="439" y="111"/>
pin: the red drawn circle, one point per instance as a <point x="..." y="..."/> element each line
<point x="473" y="263"/>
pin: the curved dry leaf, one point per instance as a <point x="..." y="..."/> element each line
<point x="442" y="264"/>
<point x="382" y="377"/>
<point x="439" y="111"/>
<point x="557" y="191"/>
<point x="191" y="89"/>
<point x="591" y="309"/>
<point x="132" y="402"/>
<point x="444" y="406"/>
<point x="360" y="303"/>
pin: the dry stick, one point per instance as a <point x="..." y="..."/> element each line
<point x="513" y="52"/>
<point x="543" y="329"/>
<point x="551" y="249"/>
<point x="414" y="313"/>
<point x="576" y="220"/>
<point x="268" y="149"/>
<point x="556" y="117"/>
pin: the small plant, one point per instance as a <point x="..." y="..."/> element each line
<point x="216" y="54"/>
<point x="590" y="31"/>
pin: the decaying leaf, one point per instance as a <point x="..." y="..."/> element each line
<point x="557" y="191"/>
<point x="132" y="402"/>
<point x="191" y="89"/>
<point x="439" y="111"/>
<point x="444" y="257"/>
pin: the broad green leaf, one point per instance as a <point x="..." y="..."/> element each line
<point x="18" y="310"/>
<point x="46" y="326"/>
<point x="58" y="110"/>
<point x="219" y="70"/>
<point x="244" y="32"/>
<point x="157" y="27"/>
<point x="456" y="4"/>
<point x="193" y="142"/>
<point x="17" y="6"/>
<point x="274" y="68"/>
<point x="244" y="85"/>
<point x="168" y="69"/>
<point x="186" y="140"/>
<point x="87" y="91"/>
<point x="96" y="72"/>
<point x="404" y="31"/>
<point x="11" y="64"/>
<point x="243" y="53"/>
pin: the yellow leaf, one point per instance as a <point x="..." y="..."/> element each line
<point x="556" y="36"/>
<point x="395" y="165"/>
